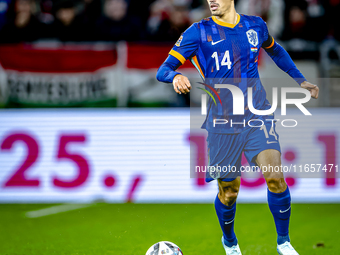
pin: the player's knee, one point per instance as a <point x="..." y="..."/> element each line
<point x="228" y="198"/>
<point x="229" y="195"/>
<point x="228" y="191"/>
<point x="276" y="185"/>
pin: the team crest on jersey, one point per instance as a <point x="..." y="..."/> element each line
<point x="178" y="43"/>
<point x="252" y="37"/>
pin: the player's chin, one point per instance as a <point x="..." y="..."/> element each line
<point x="214" y="12"/>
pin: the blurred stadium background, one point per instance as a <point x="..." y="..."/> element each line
<point x="95" y="153"/>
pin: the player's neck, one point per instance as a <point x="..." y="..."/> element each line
<point x="228" y="17"/>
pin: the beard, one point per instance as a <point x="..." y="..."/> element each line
<point x="216" y="13"/>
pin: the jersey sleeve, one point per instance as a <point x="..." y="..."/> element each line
<point x="187" y="45"/>
<point x="267" y="40"/>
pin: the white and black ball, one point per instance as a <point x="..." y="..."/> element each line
<point x="164" y="248"/>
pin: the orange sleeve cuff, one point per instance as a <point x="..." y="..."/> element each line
<point x="178" y="56"/>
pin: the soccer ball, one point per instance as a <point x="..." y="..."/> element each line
<point x="164" y="248"/>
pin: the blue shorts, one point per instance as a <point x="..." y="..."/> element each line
<point x="225" y="150"/>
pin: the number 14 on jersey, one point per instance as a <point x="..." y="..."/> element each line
<point x="225" y="61"/>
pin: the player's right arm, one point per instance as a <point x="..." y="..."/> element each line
<point x="166" y="73"/>
<point x="186" y="47"/>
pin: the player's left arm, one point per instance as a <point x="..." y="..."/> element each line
<point x="282" y="59"/>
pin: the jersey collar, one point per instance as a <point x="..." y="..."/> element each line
<point x="225" y="24"/>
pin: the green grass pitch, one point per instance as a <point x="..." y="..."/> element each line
<point x="132" y="228"/>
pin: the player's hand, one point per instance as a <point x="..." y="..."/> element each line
<point x="314" y="89"/>
<point x="181" y="84"/>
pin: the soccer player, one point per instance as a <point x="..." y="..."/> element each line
<point x="224" y="48"/>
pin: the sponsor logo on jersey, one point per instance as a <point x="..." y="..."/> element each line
<point x="178" y="43"/>
<point x="213" y="43"/>
<point x="252" y="37"/>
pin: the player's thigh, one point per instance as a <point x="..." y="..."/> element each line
<point x="263" y="149"/>
<point x="263" y="146"/>
<point x="270" y="163"/>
